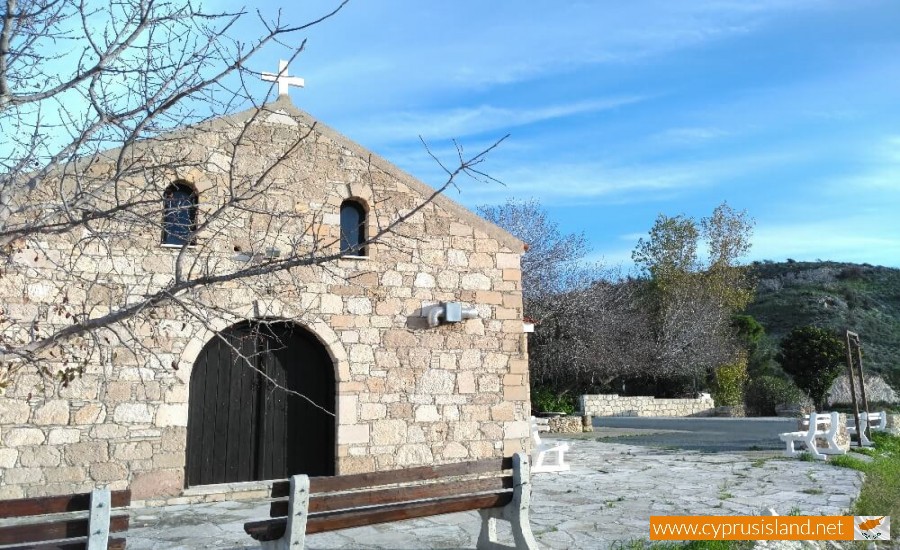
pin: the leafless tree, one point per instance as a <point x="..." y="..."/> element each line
<point x="88" y="89"/>
<point x="590" y="329"/>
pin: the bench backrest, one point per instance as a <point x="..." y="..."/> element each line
<point x="340" y="502"/>
<point x="79" y="517"/>
<point x="876" y="420"/>
<point x="830" y="420"/>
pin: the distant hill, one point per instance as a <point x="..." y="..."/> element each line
<point x="862" y="298"/>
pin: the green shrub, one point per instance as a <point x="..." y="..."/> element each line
<point x="813" y="357"/>
<point x="728" y="385"/>
<point x="544" y="399"/>
<point x="767" y="392"/>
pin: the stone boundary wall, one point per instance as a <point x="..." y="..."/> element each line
<point x="616" y="405"/>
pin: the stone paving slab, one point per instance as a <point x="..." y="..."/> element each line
<point x="608" y="496"/>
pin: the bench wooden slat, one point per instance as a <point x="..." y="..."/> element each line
<point x="374" y="479"/>
<point x="63" y="529"/>
<point x="328" y="503"/>
<point x="55" y="505"/>
<point x="273" y="529"/>
<point x="114" y="544"/>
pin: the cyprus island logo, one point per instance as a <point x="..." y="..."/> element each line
<point x="871" y="528"/>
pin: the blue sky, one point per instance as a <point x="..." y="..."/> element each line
<point x="789" y="109"/>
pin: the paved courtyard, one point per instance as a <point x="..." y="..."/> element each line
<point x="608" y="496"/>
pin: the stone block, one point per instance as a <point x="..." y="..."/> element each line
<point x="515" y="393"/>
<point x="347" y="413"/>
<point x="475" y="281"/>
<point x="172" y="415"/>
<point x="59" y="436"/>
<point x="108" y="431"/>
<point x="14" y="411"/>
<point x="40" y="456"/>
<point x="512" y="446"/>
<point x="507" y="261"/>
<point x="520" y="429"/>
<point x="135" y="450"/>
<point x="65" y="474"/>
<point x="357" y="465"/>
<point x="108" y="471"/>
<point x="455" y="450"/>
<point x="504" y="412"/>
<point x="488" y="383"/>
<point x="372" y="411"/>
<point x="23" y="476"/>
<point x="389" y="432"/>
<point x="91" y="413"/>
<point x="79" y="454"/>
<point x="8" y="457"/>
<point x="157" y="483"/>
<point x="19" y="437"/>
<point x="427" y="413"/>
<point x="168" y="460"/>
<point x="465" y="382"/>
<point x="414" y="455"/>
<point x="174" y="439"/>
<point x="353" y="434"/>
<point x="437" y="381"/>
<point x="133" y="413"/>
<point x="54" y="412"/>
<point x="424" y="280"/>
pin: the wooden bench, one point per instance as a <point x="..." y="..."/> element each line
<point x="872" y="421"/>
<point x="70" y="522"/>
<point x="541" y="451"/>
<point x="830" y="424"/>
<point x="319" y="504"/>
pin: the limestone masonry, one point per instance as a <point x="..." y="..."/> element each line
<point x="406" y="394"/>
<point x="615" y="405"/>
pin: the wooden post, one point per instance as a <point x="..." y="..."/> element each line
<point x="852" y="382"/>
<point x="862" y="384"/>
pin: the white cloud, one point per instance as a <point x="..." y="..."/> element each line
<point x="467" y="121"/>
<point x="689" y="135"/>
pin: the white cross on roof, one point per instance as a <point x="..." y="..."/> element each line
<point x="282" y="78"/>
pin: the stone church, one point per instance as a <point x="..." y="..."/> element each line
<point x="401" y="352"/>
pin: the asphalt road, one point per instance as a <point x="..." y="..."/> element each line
<point x="698" y="434"/>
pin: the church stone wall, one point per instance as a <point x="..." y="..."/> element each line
<point x="408" y="394"/>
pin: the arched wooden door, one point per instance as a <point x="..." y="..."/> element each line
<point x="246" y="421"/>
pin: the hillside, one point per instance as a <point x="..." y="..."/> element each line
<point x="861" y="298"/>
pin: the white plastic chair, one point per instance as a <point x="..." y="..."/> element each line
<point x="541" y="451"/>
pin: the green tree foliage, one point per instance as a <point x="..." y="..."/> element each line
<point x="729" y="381"/>
<point x="813" y="357"/>
<point x="766" y="392"/>
<point x="748" y="330"/>
<point x="691" y="300"/>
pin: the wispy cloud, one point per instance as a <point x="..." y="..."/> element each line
<point x="468" y="121"/>
<point x="689" y="135"/>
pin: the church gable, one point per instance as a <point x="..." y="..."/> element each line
<point x="288" y="205"/>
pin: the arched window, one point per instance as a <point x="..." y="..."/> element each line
<point x="179" y="215"/>
<point x="353" y="228"/>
